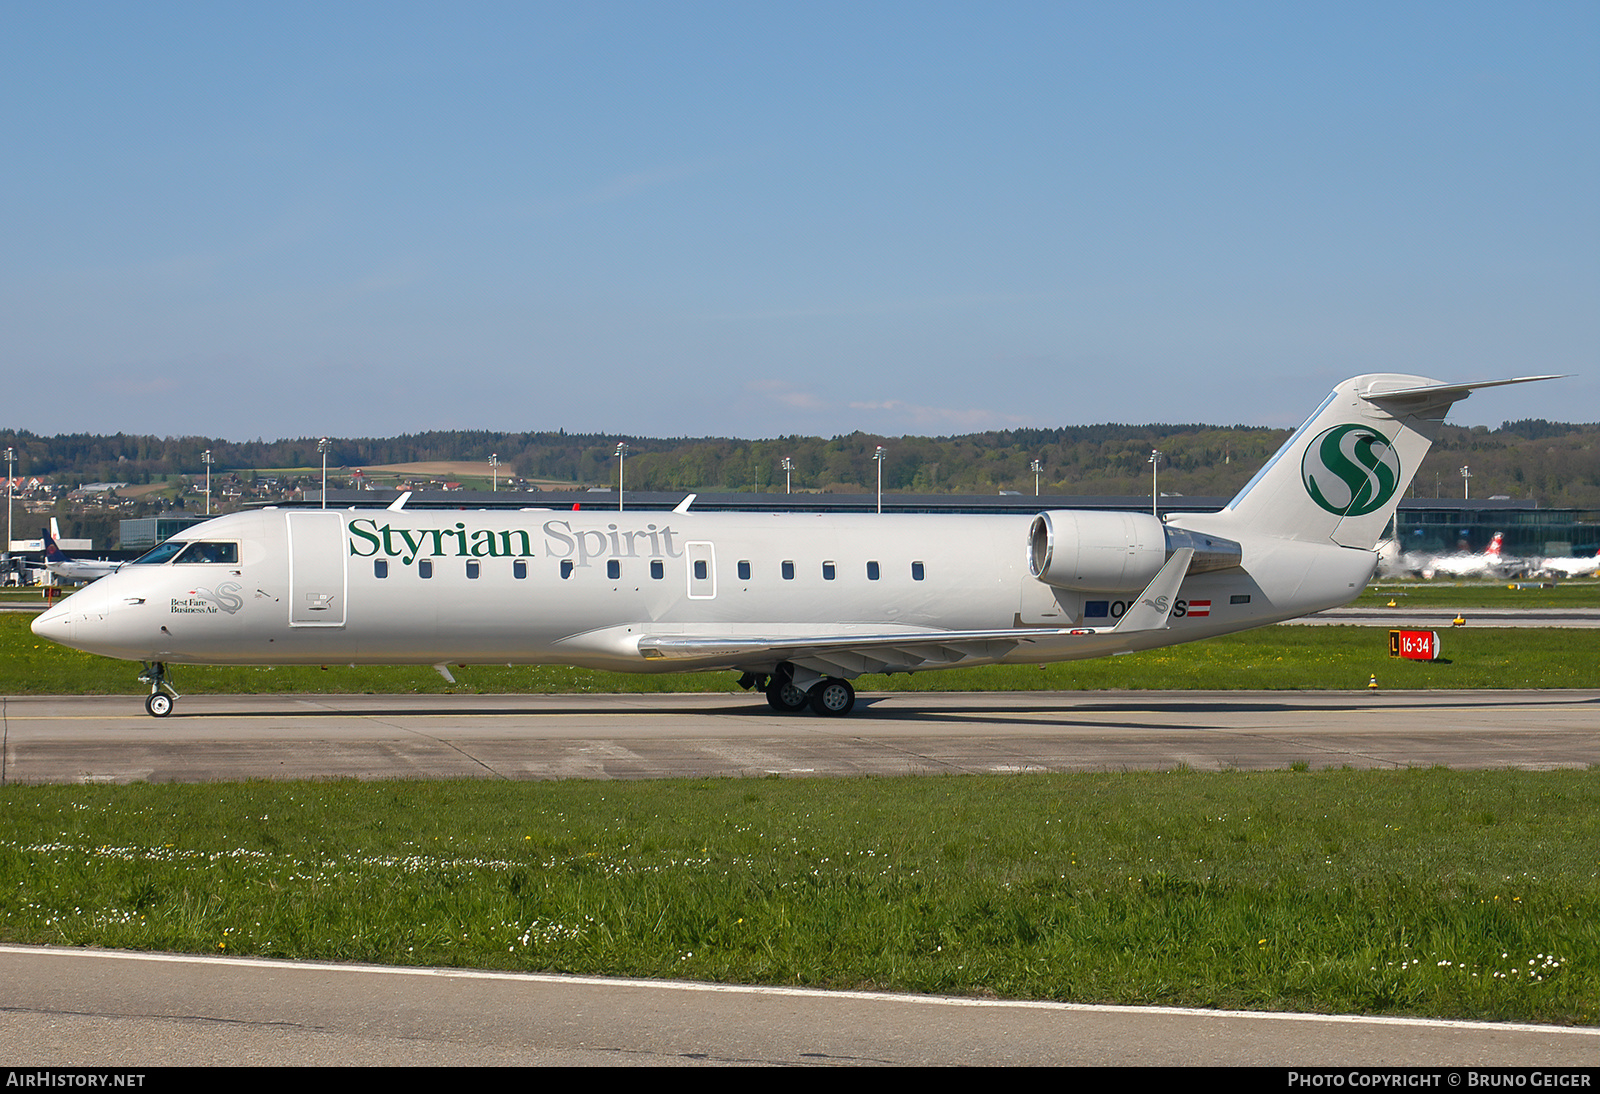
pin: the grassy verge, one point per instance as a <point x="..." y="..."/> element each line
<point x="1430" y="892"/>
<point x="1580" y="593"/>
<point x="1271" y="658"/>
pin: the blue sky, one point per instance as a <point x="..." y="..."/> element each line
<point x="756" y="219"/>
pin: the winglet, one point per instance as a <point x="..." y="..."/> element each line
<point x="1154" y="606"/>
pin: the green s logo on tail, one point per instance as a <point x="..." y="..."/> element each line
<point x="1350" y="470"/>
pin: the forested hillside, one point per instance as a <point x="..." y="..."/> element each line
<point x="1557" y="464"/>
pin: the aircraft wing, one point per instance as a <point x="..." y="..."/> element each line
<point x="902" y="651"/>
<point x="853" y="654"/>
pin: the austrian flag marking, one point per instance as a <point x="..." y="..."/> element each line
<point x="1199" y="607"/>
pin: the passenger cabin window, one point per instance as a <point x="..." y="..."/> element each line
<point x="872" y="571"/>
<point x="613" y="569"/>
<point x="916" y="571"/>
<point x="700" y="569"/>
<point x="473" y="568"/>
<point x="519" y="569"/>
<point x="566" y="568"/>
<point x="657" y="569"/>
<point x="424" y="567"/>
<point x="788" y="570"/>
<point x="744" y="569"/>
<point x="828" y="571"/>
<point x="380" y="567"/>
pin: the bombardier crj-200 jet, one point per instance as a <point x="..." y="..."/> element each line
<point x="798" y="604"/>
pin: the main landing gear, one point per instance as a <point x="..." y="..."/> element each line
<point x="162" y="696"/>
<point x="827" y="695"/>
<point x="833" y="697"/>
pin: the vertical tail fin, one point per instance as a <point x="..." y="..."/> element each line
<point x="1340" y="477"/>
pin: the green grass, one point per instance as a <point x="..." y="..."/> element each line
<point x="1311" y="658"/>
<point x="1577" y="593"/>
<point x="13" y="594"/>
<point x="1427" y="892"/>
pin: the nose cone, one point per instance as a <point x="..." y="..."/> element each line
<point x="78" y="621"/>
<point x="55" y="624"/>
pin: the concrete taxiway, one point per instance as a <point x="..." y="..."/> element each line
<point x="210" y="737"/>
<point x="124" y="1010"/>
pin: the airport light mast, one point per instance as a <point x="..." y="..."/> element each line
<point x="322" y="446"/>
<point x="1036" y="467"/>
<point x="879" y="456"/>
<point x="11" y="458"/>
<point x="494" y="470"/>
<point x="1155" y="459"/>
<point x="1466" y="482"/>
<point x="622" y="455"/>
<point x="788" y="466"/>
<point x="205" y="458"/>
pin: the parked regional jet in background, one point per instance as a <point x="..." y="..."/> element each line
<point x="798" y="604"/>
<point x="1492" y="561"/>
<point x="1571" y="567"/>
<point x="61" y="564"/>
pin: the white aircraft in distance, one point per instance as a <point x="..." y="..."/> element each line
<point x="61" y="564"/>
<point x="1571" y="567"/>
<point x="798" y="604"/>
<point x="1492" y="561"/>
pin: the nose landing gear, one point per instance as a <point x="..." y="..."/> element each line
<point x="159" y="703"/>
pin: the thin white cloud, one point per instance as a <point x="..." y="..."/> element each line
<point x="786" y="394"/>
<point x="963" y="419"/>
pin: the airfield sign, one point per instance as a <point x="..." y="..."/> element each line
<point x="1414" y="645"/>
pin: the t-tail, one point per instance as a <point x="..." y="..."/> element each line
<point x="1340" y="477"/>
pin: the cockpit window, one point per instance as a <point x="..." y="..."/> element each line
<point x="190" y="551"/>
<point x="208" y="551"/>
<point x="162" y="552"/>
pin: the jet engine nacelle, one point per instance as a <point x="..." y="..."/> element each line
<point x="1112" y="552"/>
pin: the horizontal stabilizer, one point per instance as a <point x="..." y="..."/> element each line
<point x="1434" y="400"/>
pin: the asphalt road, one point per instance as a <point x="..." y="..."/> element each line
<point x="127" y="1011"/>
<point x="211" y="737"/>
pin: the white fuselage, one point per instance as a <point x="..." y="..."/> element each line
<point x="81" y="570"/>
<point x="584" y="588"/>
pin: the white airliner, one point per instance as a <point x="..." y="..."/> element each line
<point x="1571" y="567"/>
<point x="61" y="564"/>
<point x="798" y="604"/>
<point x="1492" y="561"/>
